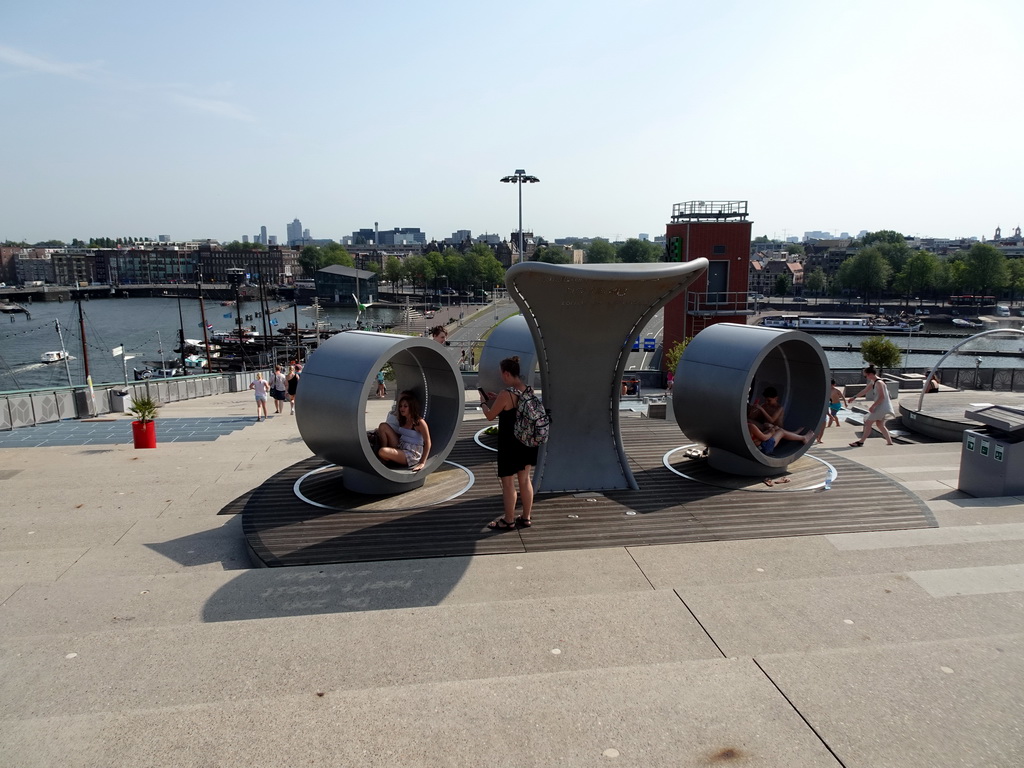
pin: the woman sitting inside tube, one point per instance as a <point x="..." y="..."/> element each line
<point x="766" y="436"/>
<point x="406" y="441"/>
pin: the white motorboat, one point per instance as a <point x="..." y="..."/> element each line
<point x="53" y="357"/>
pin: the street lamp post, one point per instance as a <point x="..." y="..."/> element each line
<point x="520" y="177"/>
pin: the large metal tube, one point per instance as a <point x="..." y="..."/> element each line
<point x="726" y="365"/>
<point x="332" y="397"/>
<point x="512" y="338"/>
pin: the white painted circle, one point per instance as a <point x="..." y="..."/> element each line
<point x="831" y="473"/>
<point x="297" y="487"/>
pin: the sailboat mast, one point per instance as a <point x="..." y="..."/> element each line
<point x="85" y="351"/>
<point x="181" y="333"/>
<point x="202" y="315"/>
<point x="64" y="352"/>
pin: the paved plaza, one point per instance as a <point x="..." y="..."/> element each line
<point x="135" y="631"/>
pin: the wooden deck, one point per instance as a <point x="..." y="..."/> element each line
<point x="281" y="529"/>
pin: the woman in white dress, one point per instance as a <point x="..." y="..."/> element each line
<point x="880" y="409"/>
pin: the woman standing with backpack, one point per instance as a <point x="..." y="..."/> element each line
<point x="515" y="460"/>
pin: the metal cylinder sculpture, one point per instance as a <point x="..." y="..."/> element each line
<point x="510" y="339"/>
<point x="331" y="404"/>
<point x="583" y="318"/>
<point x="727" y="364"/>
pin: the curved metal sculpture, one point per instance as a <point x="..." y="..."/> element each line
<point x="582" y="318"/>
<point x="723" y="366"/>
<point x="953" y="350"/>
<point x="336" y="382"/>
<point x="510" y="339"/>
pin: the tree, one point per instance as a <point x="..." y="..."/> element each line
<point x="673" y="353"/>
<point x="893" y="247"/>
<point x="881" y="352"/>
<point x="335" y="253"/>
<point x="816" y="282"/>
<point x="919" y="273"/>
<point x="600" y="252"/>
<point x="953" y="274"/>
<point x="1015" y="281"/>
<point x="636" y="251"/>
<point x="393" y="269"/>
<point x="883" y="236"/>
<point x="313" y="258"/>
<point x="867" y="272"/>
<point x="552" y="255"/>
<point x="795" y="249"/>
<point x="986" y="268"/>
<point x="782" y="285"/>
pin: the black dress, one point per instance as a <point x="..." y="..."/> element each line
<point x="513" y="456"/>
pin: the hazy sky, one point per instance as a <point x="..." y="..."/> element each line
<point x="209" y="119"/>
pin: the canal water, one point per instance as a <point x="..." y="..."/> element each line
<point x="148" y="330"/>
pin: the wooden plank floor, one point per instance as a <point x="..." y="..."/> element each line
<point x="281" y="529"/>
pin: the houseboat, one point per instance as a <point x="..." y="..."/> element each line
<point x="843" y="324"/>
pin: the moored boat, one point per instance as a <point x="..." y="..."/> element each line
<point x="843" y="324"/>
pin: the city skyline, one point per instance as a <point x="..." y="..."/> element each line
<point x="867" y="117"/>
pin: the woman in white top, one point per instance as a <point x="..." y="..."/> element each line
<point x="260" y="387"/>
<point x="879" y="410"/>
<point x="409" y="443"/>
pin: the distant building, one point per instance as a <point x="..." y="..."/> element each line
<point x="294" y="232"/>
<point x="337" y="285"/>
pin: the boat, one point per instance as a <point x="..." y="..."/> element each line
<point x="843" y="324"/>
<point x="53" y="357"/>
<point x="156" y="373"/>
<point x="961" y="322"/>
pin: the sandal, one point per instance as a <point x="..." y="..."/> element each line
<point x="524" y="522"/>
<point x="856" y="443"/>
<point x="501" y="524"/>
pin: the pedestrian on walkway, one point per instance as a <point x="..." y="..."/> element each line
<point x="293" y="385"/>
<point x="260" y="387"/>
<point x="278" y="389"/>
<point x="879" y="410"/>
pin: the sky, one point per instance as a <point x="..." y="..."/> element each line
<point x="210" y="119"/>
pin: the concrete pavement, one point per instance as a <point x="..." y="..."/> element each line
<point x="134" y="631"/>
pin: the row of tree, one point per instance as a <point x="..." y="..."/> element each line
<point x="888" y="265"/>
<point x="599" y="251"/>
<point x="476" y="268"/>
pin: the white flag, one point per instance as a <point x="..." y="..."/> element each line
<point x="117" y="351"/>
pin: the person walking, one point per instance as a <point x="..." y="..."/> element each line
<point x="515" y="460"/>
<point x="259" y="386"/>
<point x="293" y="386"/>
<point x="278" y="389"/>
<point x="836" y="401"/>
<point x="879" y="410"/>
<point x="382" y="390"/>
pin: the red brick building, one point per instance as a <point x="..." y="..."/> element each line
<point x="720" y="232"/>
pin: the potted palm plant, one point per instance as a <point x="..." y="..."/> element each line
<point x="144" y="408"/>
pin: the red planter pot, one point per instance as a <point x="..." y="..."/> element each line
<point x="144" y="434"/>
